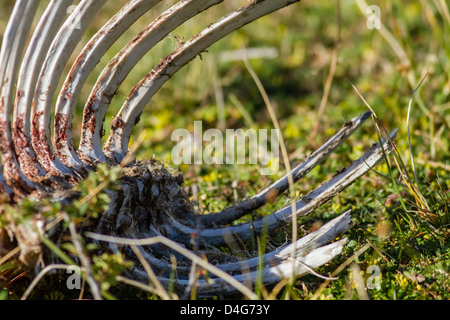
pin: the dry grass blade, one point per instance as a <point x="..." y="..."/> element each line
<point x="284" y="152"/>
<point x="159" y="289"/>
<point x="331" y="72"/>
<point x="175" y="246"/>
<point x="409" y="134"/>
<point x="41" y="274"/>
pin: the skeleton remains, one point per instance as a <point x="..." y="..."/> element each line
<point x="151" y="205"/>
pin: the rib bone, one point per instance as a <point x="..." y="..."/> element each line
<point x="85" y="63"/>
<point x="128" y="115"/>
<point x="63" y="45"/>
<point x="309" y="202"/>
<point x="12" y="47"/>
<point x="230" y="214"/>
<point x="28" y="75"/>
<point x="116" y="71"/>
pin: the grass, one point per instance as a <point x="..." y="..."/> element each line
<point x="401" y="212"/>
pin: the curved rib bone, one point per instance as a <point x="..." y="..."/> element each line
<point x="85" y="63"/>
<point x="128" y="116"/>
<point x="116" y="71"/>
<point x="28" y="75"/>
<point x="270" y="274"/>
<point x="282" y="217"/>
<point x="230" y="214"/>
<point x="13" y="45"/>
<point x="310" y="253"/>
<point x="62" y="47"/>
<point x="328" y="232"/>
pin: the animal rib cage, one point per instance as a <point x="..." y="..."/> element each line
<point x="38" y="162"/>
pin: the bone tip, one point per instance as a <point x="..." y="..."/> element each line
<point x="393" y="133"/>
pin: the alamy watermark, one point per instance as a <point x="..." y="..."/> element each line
<point x="374" y="18"/>
<point x="74" y="280"/>
<point x="238" y="146"/>
<point x="374" y="280"/>
<point x="75" y="23"/>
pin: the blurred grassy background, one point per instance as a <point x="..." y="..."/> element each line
<point x="384" y="65"/>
